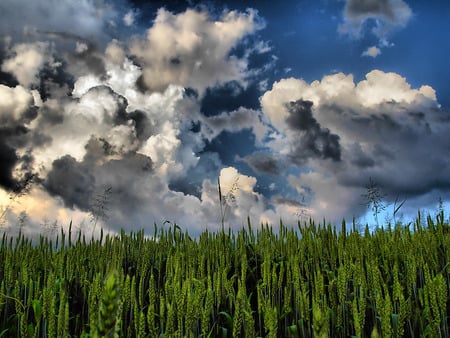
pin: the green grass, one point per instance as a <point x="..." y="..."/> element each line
<point x="297" y="282"/>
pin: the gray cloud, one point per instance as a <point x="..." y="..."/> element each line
<point x="23" y="19"/>
<point x="387" y="16"/>
<point x="87" y="61"/>
<point x="264" y="163"/>
<point x="234" y="121"/>
<point x="72" y="181"/>
<point x="357" y="8"/>
<point x="17" y="111"/>
<point x="384" y="130"/>
<point x="289" y="201"/>
<point x="78" y="183"/>
<point x="8" y="160"/>
<point x="309" y="139"/>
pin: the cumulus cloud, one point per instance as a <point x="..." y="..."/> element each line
<point x="91" y="115"/>
<point x="382" y="129"/>
<point x="26" y="61"/>
<point x="191" y="50"/>
<point x="129" y="118"/>
<point x="373" y="51"/>
<point x="14" y="102"/>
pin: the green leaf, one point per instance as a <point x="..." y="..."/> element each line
<point x="37" y="308"/>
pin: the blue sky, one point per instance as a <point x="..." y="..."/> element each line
<point x="140" y="106"/>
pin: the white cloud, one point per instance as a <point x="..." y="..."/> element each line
<point x="191" y="50"/>
<point x="373" y="51"/>
<point x="381" y="87"/>
<point x="80" y="47"/>
<point x="239" y="199"/>
<point x="27" y="60"/>
<point x="14" y="102"/>
<point x="129" y="18"/>
<point x="384" y="127"/>
<point x="115" y="53"/>
<point x="234" y="121"/>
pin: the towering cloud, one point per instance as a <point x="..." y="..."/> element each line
<point x="89" y="112"/>
<point x="374" y="125"/>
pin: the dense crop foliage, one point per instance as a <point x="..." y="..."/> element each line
<point x="312" y="281"/>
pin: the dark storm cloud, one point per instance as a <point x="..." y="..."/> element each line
<point x="310" y="140"/>
<point x="14" y="137"/>
<point x="395" y="151"/>
<point x="127" y="179"/>
<point x="88" y="60"/>
<point x="143" y="126"/>
<point x="359" y="158"/>
<point x="263" y="163"/>
<point x="8" y="160"/>
<point x="97" y="149"/>
<point x="358" y="8"/>
<point x="72" y="181"/>
<point x="79" y="182"/>
<point x="6" y="78"/>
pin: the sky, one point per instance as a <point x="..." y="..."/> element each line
<point x="125" y="113"/>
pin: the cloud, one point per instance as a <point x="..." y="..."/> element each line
<point x="26" y="61"/>
<point x="130" y="116"/>
<point x="234" y="121"/>
<point x="388" y="15"/>
<point x="308" y="138"/>
<point x="94" y="123"/>
<point x="86" y="60"/>
<point x="82" y="183"/>
<point x="17" y="110"/>
<point x="264" y="163"/>
<point x="372" y="52"/>
<point x="129" y="18"/>
<point x="191" y="50"/>
<point x="382" y="127"/>
<point x="239" y="198"/>
<point x="22" y="19"/>
<point x="383" y="16"/>
<point x="14" y="103"/>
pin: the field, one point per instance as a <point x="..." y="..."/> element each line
<point x="309" y="281"/>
